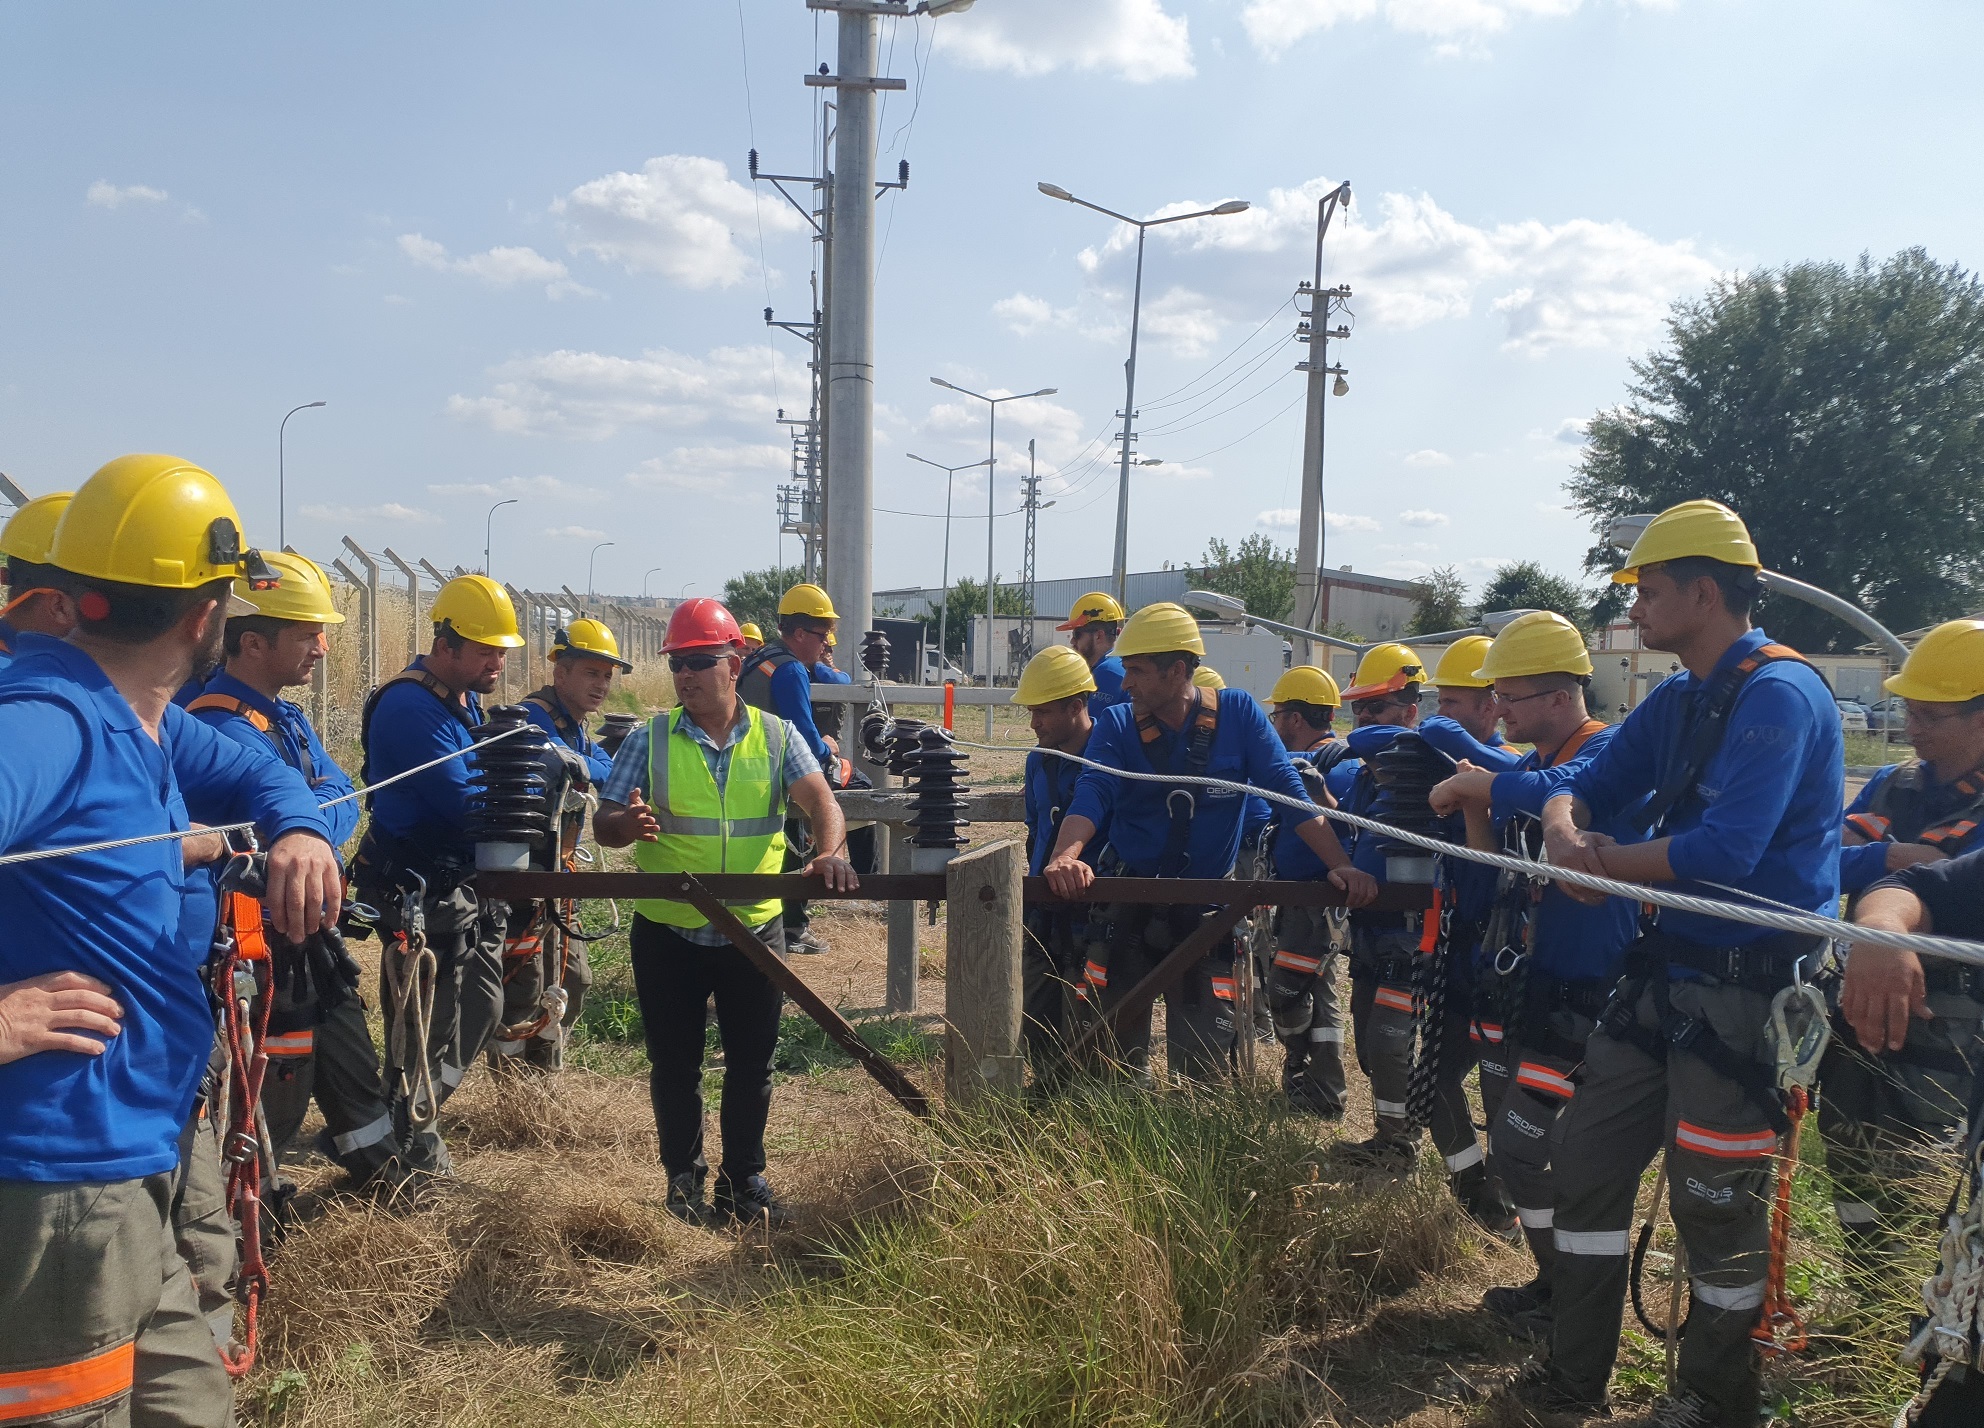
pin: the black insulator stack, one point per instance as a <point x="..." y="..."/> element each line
<point x="877" y="729"/>
<point x="931" y="770"/>
<point x="875" y="653"/>
<point x="507" y="801"/>
<point x="1406" y="772"/>
<point x="615" y="731"/>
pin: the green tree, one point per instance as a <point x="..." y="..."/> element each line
<point x="1443" y="606"/>
<point x="1260" y="573"/>
<point x="967" y="600"/>
<point x="753" y="596"/>
<point x="1836" y="410"/>
<point x="1526" y="585"/>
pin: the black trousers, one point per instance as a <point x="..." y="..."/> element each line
<point x="674" y="980"/>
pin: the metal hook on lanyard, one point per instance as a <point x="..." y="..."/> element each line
<point x="1800" y="1028"/>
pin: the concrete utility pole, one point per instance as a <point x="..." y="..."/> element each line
<point x="1316" y="332"/>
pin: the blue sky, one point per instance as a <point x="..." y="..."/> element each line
<point x="515" y="250"/>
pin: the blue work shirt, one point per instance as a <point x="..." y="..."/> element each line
<point x="1050" y="789"/>
<point x="409" y="727"/>
<point x="1474" y="883"/>
<point x="1294" y="859"/>
<point x="1571" y="940"/>
<point x="1764" y="815"/>
<point x="598" y="765"/>
<point x="8" y="635"/>
<point x="81" y="769"/>
<point x="290" y="738"/>
<point x="1244" y="750"/>
<point x="1108" y="676"/>
<point x="792" y="701"/>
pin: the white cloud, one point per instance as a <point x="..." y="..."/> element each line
<point x="102" y="194"/>
<point x="1428" y="457"/>
<point x="1282" y="518"/>
<point x="1183" y="320"/>
<point x="592" y="395"/>
<point x="1274" y="25"/>
<point x="1579" y="283"/>
<point x="1338" y="521"/>
<point x="714" y="470"/>
<point x="575" y="533"/>
<point x="498" y="268"/>
<point x="553" y="488"/>
<point x="1422" y="518"/>
<point x="388" y="511"/>
<point x="1135" y="40"/>
<point x="1026" y="314"/>
<point x="680" y="216"/>
<point x="1572" y="431"/>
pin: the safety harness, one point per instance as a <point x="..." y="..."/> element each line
<point x="239" y="969"/>
<point x="1910" y="807"/>
<point x="379" y="851"/>
<point x="261" y="722"/>
<point x="1188" y="755"/>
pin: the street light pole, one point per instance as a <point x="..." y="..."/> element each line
<point x="488" y="528"/>
<point x="644" y="580"/>
<point x="589" y="564"/>
<point x="991" y="491"/>
<point x="944" y="610"/>
<point x="1130" y="367"/>
<point x="282" y="476"/>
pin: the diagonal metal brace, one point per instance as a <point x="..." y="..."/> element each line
<point x="1218" y="923"/>
<point x="835" y="1025"/>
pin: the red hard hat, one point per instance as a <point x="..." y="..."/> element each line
<point x="699" y="624"/>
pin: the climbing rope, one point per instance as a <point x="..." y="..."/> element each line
<point x="240" y="972"/>
<point x="1429" y="1005"/>
<point x="1953" y="1295"/>
<point x="410" y="968"/>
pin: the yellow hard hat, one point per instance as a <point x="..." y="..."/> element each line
<point x="304" y="595"/>
<point x="1306" y="684"/>
<point x="155" y="521"/>
<point x="751" y="632"/>
<point x="30" y="531"/>
<point x="1206" y="677"/>
<point x="1160" y="629"/>
<point x="478" y="609"/>
<point x="1541" y="642"/>
<point x="1097" y="605"/>
<point x="1704" y="528"/>
<point x="1055" y="673"/>
<point x="589" y="637"/>
<point x="1945" y="667"/>
<point x="1385" y="669"/>
<point x="808" y="600"/>
<point x="1457" y="666"/>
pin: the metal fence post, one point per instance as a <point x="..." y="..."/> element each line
<point x="371" y="611"/>
<point x="520" y="599"/>
<point x="413" y="604"/>
<point x="365" y="614"/>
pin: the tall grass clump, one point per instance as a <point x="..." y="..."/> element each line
<point x="1110" y="1257"/>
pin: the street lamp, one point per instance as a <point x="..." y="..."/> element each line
<point x="488" y="526"/>
<point x="644" y="580"/>
<point x="944" y="610"/>
<point x="1130" y="367"/>
<point x="589" y="561"/>
<point x="991" y="471"/>
<point x="282" y="476"/>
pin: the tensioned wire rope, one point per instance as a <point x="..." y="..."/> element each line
<point x="39" y="853"/>
<point x="1812" y="924"/>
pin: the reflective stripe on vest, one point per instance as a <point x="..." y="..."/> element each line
<point x="738" y="829"/>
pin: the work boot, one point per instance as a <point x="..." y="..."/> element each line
<point x="1485" y="1201"/>
<point x="1380" y="1153"/>
<point x="805" y="943"/>
<point x="1506" y="1301"/>
<point x="750" y="1202"/>
<point x="1536" y="1388"/>
<point x="685" y="1199"/>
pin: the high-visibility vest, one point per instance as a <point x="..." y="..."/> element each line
<point x="740" y="829"/>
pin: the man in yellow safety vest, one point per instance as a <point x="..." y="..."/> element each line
<point x="721" y="773"/>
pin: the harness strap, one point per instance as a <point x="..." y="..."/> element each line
<point x="1196" y="738"/>
<point x="1698" y="745"/>
<point x="228" y="704"/>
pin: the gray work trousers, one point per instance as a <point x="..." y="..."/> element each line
<point x="1720" y="1147"/>
<point x="338" y="1067"/>
<point x="532" y="955"/>
<point x="1301" y="997"/>
<point x="1383" y="963"/>
<point x="1198" y="1007"/>
<point x="202" y="1225"/>
<point x="466" y="936"/>
<point x="1525" y="1092"/>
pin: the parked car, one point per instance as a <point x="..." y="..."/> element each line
<point x="1852" y="716"/>
<point x="1885" y="714"/>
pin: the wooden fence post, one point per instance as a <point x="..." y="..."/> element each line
<point x="982" y="972"/>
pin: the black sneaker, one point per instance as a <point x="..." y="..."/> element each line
<point x="1380" y="1153"/>
<point x="749" y="1203"/>
<point x="805" y="944"/>
<point x="1486" y="1203"/>
<point x="1536" y="1388"/>
<point x="1506" y="1301"/>
<point x="685" y="1199"/>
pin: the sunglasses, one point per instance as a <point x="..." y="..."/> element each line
<point x="1502" y="698"/>
<point x="698" y="663"/>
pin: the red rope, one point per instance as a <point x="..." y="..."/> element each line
<point x="1781" y="1329"/>
<point x="245" y="1027"/>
